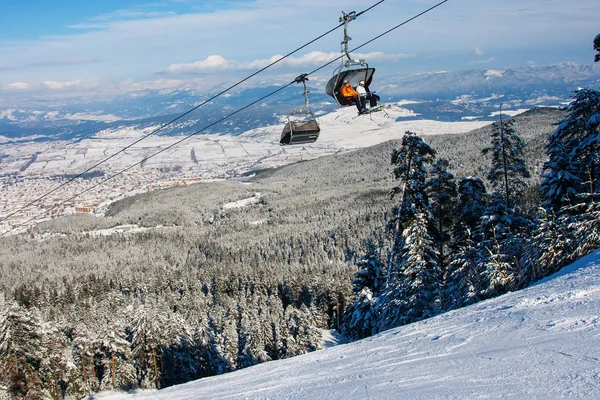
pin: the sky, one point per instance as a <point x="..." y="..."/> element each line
<point x="55" y="46"/>
<point x="537" y="343"/>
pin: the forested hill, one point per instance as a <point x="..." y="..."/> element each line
<point x="212" y="277"/>
<point x="462" y="150"/>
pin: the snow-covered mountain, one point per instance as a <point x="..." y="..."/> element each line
<point x="538" y="343"/>
<point x="447" y="96"/>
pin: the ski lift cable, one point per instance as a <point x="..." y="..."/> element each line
<point x="153" y="132"/>
<point x="377" y="37"/>
<point x="147" y="158"/>
<point x="211" y="124"/>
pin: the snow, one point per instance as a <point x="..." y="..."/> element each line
<point x="512" y="113"/>
<point x="242" y="203"/>
<point x="330" y="338"/>
<point x="538" y="343"/>
<point x="494" y="73"/>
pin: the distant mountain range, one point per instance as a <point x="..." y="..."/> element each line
<point x="448" y="96"/>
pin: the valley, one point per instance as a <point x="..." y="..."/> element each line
<point x="29" y="169"/>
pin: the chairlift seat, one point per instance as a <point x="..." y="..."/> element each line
<point x="300" y="132"/>
<point x="354" y="76"/>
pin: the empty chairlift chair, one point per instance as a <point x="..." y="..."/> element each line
<point x="302" y="126"/>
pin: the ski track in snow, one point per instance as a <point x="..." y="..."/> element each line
<point x="538" y="343"/>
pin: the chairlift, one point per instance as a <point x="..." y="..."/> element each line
<point x="350" y="70"/>
<point x="302" y="126"/>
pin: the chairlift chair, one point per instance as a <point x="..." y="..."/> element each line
<point x="350" y="70"/>
<point x="303" y="129"/>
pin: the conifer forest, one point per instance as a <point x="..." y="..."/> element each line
<point x="359" y="242"/>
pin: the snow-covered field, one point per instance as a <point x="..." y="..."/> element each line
<point x="538" y="343"/>
<point x="157" y="161"/>
<point x="257" y="148"/>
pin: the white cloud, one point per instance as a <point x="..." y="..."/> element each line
<point x="157" y="84"/>
<point x="210" y="64"/>
<point x="483" y="62"/>
<point x="144" y="39"/>
<point x="16" y="86"/>
<point x="215" y="63"/>
<point x="60" y="85"/>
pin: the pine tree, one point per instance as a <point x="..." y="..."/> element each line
<point x="358" y="319"/>
<point x="148" y="339"/>
<point x="223" y="341"/>
<point x="413" y="279"/>
<point x="502" y="231"/>
<point x="84" y="345"/>
<point x="410" y="162"/>
<point x="559" y="183"/>
<point x="251" y="346"/>
<point x="442" y="195"/>
<point x="550" y="247"/>
<point x="466" y="281"/>
<point x="21" y="350"/>
<point x="508" y="165"/>
<point x="473" y="200"/>
<point x="573" y="153"/>
<point x="597" y="48"/>
<point x="370" y="272"/>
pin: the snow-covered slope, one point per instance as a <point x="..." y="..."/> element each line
<point x="539" y="343"/>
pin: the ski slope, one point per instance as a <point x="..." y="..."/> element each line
<point x="538" y="343"/>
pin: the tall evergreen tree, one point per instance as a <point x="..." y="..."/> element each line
<point x="412" y="287"/>
<point x="442" y="196"/>
<point x="508" y="165"/>
<point x="466" y="282"/>
<point x="473" y="200"/>
<point x="573" y="153"/>
<point x="148" y="338"/>
<point x="559" y="184"/>
<point x="21" y="351"/>
<point x="409" y="162"/>
<point x="358" y="319"/>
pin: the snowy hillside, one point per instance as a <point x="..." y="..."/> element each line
<point x="538" y="343"/>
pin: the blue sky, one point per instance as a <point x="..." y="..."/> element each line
<point x="109" y="45"/>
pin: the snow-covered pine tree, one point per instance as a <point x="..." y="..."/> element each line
<point x="56" y="367"/>
<point x="409" y="162"/>
<point x="551" y="246"/>
<point x="412" y="287"/>
<point x="223" y="340"/>
<point x="21" y="352"/>
<point x="573" y="153"/>
<point x="357" y="322"/>
<point x="473" y="200"/>
<point x="370" y="272"/>
<point x="148" y="339"/>
<point x="251" y="339"/>
<point x="502" y="225"/>
<point x="502" y="231"/>
<point x="597" y="48"/>
<point x="179" y="356"/>
<point x="559" y="183"/>
<point x="83" y="351"/>
<point x="508" y="168"/>
<point x="585" y="227"/>
<point x="466" y="281"/>
<point x="442" y="196"/>
<point x="301" y="334"/>
<point x="421" y="280"/>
